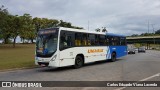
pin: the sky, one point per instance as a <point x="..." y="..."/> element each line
<point x="125" y="17"/>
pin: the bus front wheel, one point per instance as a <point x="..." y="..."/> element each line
<point x="78" y="62"/>
<point x="113" y="57"/>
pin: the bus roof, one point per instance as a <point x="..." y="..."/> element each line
<point x="86" y="31"/>
<point x="118" y="35"/>
<point x="81" y="30"/>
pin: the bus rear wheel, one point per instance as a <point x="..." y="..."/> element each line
<point x="78" y="62"/>
<point x="113" y="57"/>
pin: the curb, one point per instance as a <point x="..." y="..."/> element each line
<point x="14" y="69"/>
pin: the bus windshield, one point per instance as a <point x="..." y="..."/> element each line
<point x="46" y="44"/>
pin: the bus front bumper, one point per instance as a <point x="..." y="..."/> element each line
<point x="46" y="62"/>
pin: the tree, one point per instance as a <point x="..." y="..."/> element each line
<point x="48" y="23"/>
<point x="97" y="30"/>
<point x="104" y="29"/>
<point x="147" y="34"/>
<point x="25" y="26"/>
<point x="77" y="27"/>
<point x="134" y="35"/>
<point x="4" y="17"/>
<point x="1" y="36"/>
<point x="28" y="29"/>
<point x="65" y="24"/>
<point x="41" y="23"/>
<point x="16" y="24"/>
<point x="157" y="32"/>
<point x="37" y="23"/>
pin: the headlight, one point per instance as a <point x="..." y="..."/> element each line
<point x="54" y="58"/>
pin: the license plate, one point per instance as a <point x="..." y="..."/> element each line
<point x="43" y="65"/>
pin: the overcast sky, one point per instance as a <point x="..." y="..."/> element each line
<point x="118" y="16"/>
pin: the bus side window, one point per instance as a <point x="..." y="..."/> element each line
<point x="66" y="39"/>
<point x="102" y="40"/>
<point x="91" y="39"/>
<point x="115" y="40"/>
<point x="84" y="39"/>
<point x="118" y="40"/>
<point x="69" y="41"/>
<point x="78" y="41"/>
<point x="88" y="40"/>
<point x="106" y="41"/>
<point x="123" y="41"/>
<point x="110" y="40"/>
<point x="63" y="41"/>
<point x="97" y="40"/>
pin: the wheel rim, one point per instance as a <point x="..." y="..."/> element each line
<point x="79" y="62"/>
<point x="113" y="57"/>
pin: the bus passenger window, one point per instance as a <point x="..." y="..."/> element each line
<point x="102" y="40"/>
<point x="106" y="41"/>
<point x="69" y="41"/>
<point x="110" y="40"/>
<point x="91" y="40"/>
<point x="123" y="41"/>
<point x="84" y="40"/>
<point x="66" y="40"/>
<point x="78" y="37"/>
<point x="63" y="41"/>
<point x="97" y="40"/>
<point x="76" y="43"/>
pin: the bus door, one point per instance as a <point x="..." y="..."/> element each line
<point x="66" y="50"/>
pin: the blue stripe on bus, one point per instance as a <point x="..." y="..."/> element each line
<point x="120" y="51"/>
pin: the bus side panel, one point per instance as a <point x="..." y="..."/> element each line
<point x="120" y="51"/>
<point x="54" y="63"/>
<point x="66" y="57"/>
<point x="91" y="54"/>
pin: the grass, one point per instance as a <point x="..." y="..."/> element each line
<point x="19" y="57"/>
<point x="137" y="45"/>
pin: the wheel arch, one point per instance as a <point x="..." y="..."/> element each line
<point x="114" y="52"/>
<point x="81" y="55"/>
<point x="113" y="56"/>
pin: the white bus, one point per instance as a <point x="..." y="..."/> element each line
<point x="58" y="47"/>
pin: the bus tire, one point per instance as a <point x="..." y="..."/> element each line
<point x="113" y="57"/>
<point x="78" y="62"/>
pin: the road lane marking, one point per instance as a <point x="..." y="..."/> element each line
<point x="145" y="79"/>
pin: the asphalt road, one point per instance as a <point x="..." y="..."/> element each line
<point x="141" y="66"/>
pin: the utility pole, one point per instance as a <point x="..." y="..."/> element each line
<point x="153" y="35"/>
<point x="148" y="26"/>
<point x="148" y="33"/>
<point x="88" y="25"/>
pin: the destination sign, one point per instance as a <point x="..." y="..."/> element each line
<point x="47" y="31"/>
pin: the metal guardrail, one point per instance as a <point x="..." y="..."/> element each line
<point x="143" y="37"/>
